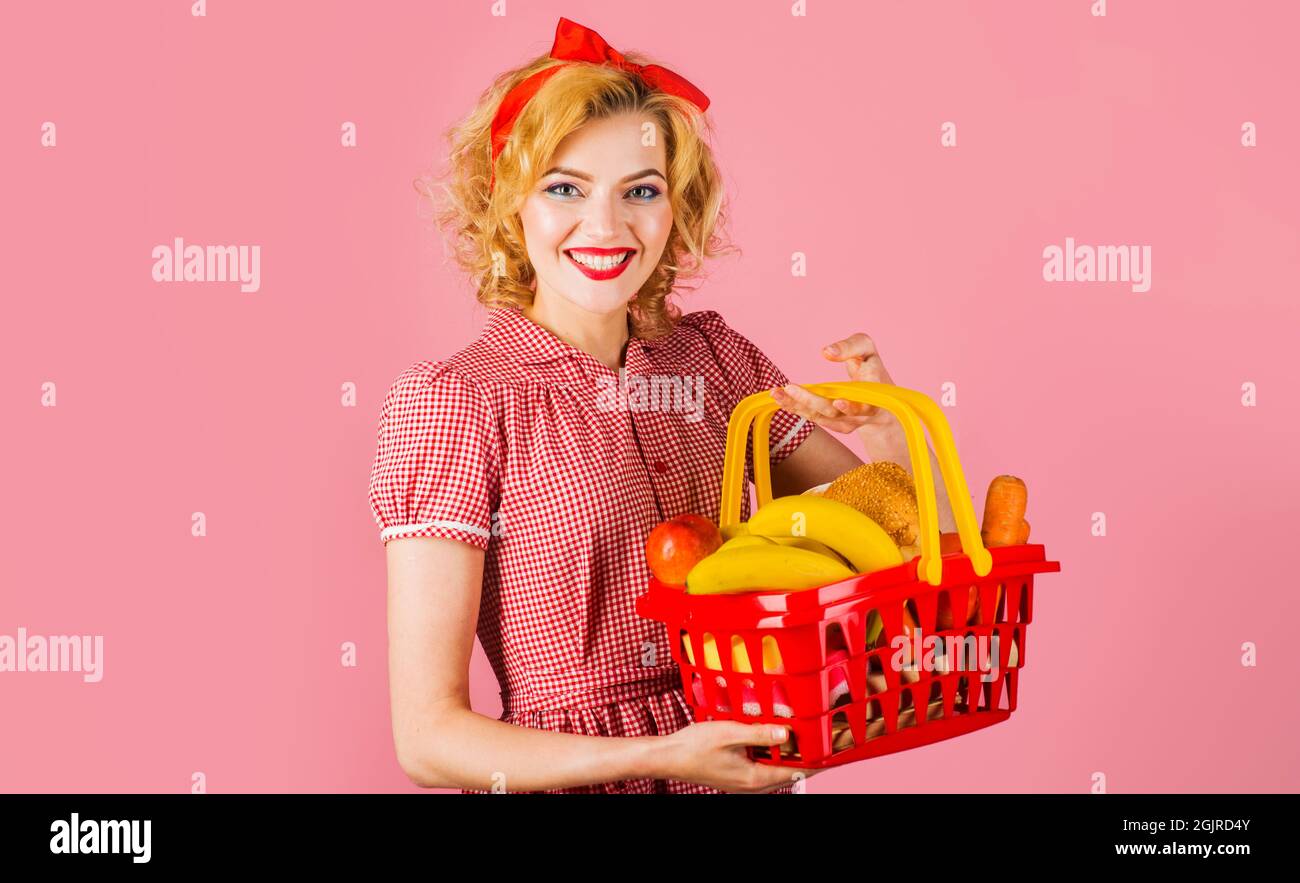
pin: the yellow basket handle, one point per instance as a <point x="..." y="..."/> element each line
<point x="912" y="409"/>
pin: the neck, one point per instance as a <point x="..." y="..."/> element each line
<point x="602" y="335"/>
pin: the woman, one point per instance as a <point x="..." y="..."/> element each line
<point x="515" y="494"/>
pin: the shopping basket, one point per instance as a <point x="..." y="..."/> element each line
<point x="845" y="666"/>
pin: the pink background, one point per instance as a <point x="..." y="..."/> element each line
<point x="222" y="654"/>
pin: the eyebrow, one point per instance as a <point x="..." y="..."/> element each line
<point x="561" y="170"/>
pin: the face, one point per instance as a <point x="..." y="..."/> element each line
<point x="596" y="223"/>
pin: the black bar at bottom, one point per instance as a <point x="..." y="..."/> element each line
<point x="838" y="833"/>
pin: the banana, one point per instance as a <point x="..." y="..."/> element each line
<point x="838" y="525"/>
<point x="711" y="659"/>
<point x="754" y="539"/>
<point x="763" y="567"/>
<point x="731" y="531"/>
<point x="807" y="543"/>
<point x="745" y="539"/>
<point x="874" y="626"/>
<point x="771" y="655"/>
<point x="739" y="655"/>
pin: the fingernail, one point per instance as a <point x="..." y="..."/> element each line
<point x="832" y="349"/>
<point x="778" y="733"/>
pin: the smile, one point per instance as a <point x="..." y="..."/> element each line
<point x="597" y="266"/>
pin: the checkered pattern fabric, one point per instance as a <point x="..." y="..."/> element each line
<point x="558" y="467"/>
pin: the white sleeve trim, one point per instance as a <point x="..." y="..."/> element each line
<point x="389" y="532"/>
<point x="788" y="436"/>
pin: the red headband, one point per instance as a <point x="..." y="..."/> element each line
<point x="573" y="42"/>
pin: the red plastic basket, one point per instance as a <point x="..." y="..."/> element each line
<point x="842" y="696"/>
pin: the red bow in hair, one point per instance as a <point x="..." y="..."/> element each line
<point x="573" y="42"/>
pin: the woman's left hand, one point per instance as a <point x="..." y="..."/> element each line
<point x="862" y="361"/>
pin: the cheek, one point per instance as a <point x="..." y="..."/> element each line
<point x="545" y="227"/>
<point x="653" y="227"/>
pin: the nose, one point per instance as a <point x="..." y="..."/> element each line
<point x="601" y="217"/>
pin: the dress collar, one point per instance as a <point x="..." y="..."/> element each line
<point x="510" y="332"/>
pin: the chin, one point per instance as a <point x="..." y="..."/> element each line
<point x="602" y="302"/>
<point x="600" y="297"/>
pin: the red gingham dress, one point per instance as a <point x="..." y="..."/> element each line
<point x="519" y="445"/>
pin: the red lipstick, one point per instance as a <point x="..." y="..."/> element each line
<point x="604" y="272"/>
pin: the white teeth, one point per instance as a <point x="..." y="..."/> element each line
<point x="601" y="262"/>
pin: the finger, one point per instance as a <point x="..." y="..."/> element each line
<point x="870" y="368"/>
<point x="806" y="404"/>
<point x="782" y="778"/>
<point x="843" y="416"/>
<point x="836" y="422"/>
<point x="854" y="409"/>
<point x="810" y="404"/>
<point x="855" y="346"/>
<point x="834" y="351"/>
<point x="756" y="734"/>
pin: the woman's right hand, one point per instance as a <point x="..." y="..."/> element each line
<point x="712" y="753"/>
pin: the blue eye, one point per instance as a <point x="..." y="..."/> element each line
<point x="652" y="191"/>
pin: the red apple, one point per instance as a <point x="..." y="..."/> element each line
<point x="677" y="545"/>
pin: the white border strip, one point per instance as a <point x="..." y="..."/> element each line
<point x="789" y="435"/>
<point x="390" y="532"/>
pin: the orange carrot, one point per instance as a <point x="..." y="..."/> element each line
<point x="1004" y="510"/>
<point x="1024" y="532"/>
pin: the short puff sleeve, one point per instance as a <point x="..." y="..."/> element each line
<point x="749" y="371"/>
<point x="436" y="462"/>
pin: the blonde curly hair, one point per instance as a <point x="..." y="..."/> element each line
<point x="484" y="226"/>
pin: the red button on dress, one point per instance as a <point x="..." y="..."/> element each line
<point x="534" y="451"/>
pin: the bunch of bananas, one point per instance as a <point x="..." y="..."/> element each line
<point x="795" y="542"/>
